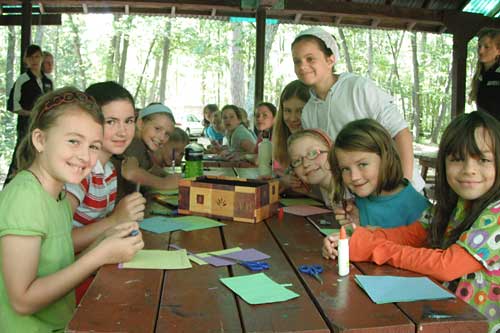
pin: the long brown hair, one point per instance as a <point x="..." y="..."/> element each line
<point x="367" y="135"/>
<point x="280" y="131"/>
<point x="459" y="140"/>
<point x="47" y="110"/>
<point x="494" y="35"/>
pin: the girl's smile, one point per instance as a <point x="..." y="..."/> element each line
<point x="292" y="111"/>
<point x="311" y="65"/>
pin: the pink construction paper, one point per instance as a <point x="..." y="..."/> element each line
<point x="305" y="210"/>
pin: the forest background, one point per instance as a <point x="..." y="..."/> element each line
<point x="187" y="63"/>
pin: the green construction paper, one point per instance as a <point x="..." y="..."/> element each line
<point x="165" y="192"/>
<point x="159" y="259"/>
<point x="207" y="254"/>
<point x="328" y="231"/>
<point x="156" y="209"/>
<point x="258" y="289"/>
<point x="197" y="222"/>
<point x="299" y="201"/>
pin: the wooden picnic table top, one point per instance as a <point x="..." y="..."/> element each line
<point x="194" y="300"/>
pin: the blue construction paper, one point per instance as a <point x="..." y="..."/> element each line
<point x="390" y="289"/>
<point x="160" y="224"/>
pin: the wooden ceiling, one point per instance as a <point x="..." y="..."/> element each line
<point x="418" y="15"/>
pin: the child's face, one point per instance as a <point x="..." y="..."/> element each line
<point x="472" y="177"/>
<point x="173" y="151"/>
<point x="230" y="120"/>
<point x="360" y="171"/>
<point x="264" y="118"/>
<point x="309" y="159"/>
<point x="119" y="126"/>
<point x="208" y="115"/>
<point x="312" y="66"/>
<point x="48" y="64"/>
<point x="217" y="123"/>
<point x="34" y="62"/>
<point x="155" y="131"/>
<point x="69" y="149"/>
<point x="292" y="112"/>
<point x="487" y="51"/>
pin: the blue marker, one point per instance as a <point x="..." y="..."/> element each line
<point x="133" y="233"/>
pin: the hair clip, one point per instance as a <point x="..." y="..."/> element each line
<point x="67" y="98"/>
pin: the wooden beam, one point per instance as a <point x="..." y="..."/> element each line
<point x="85" y="8"/>
<point x="172" y="11"/>
<point x="374" y="23"/>
<point x="458" y="75"/>
<point x="1" y="10"/>
<point x="260" y="54"/>
<point x="334" y="8"/>
<point x="46" y="19"/>
<point x="25" y="30"/>
<point x="214" y="11"/>
<point x="127" y="9"/>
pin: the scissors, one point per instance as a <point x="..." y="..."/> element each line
<point x="313" y="270"/>
<point x="254" y="266"/>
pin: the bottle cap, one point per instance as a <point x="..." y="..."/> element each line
<point x="343" y="234"/>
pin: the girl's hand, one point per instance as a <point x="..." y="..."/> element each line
<point x="347" y="215"/>
<point x="118" y="246"/>
<point x="290" y="181"/>
<point x="331" y="244"/>
<point x="130" y="208"/>
<point x="129" y="166"/>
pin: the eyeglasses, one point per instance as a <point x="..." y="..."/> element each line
<point x="311" y="155"/>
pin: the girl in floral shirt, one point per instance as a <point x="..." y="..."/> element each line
<point x="458" y="241"/>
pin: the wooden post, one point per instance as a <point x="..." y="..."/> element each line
<point x="458" y="74"/>
<point x="25" y="30"/>
<point x="260" y="62"/>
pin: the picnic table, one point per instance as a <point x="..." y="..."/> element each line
<point x="427" y="157"/>
<point x="194" y="300"/>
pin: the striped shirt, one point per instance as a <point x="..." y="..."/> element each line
<point x="96" y="194"/>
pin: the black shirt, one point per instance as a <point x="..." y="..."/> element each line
<point x="488" y="92"/>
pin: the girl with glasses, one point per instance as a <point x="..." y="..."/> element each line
<point x="366" y="163"/>
<point x="308" y="152"/>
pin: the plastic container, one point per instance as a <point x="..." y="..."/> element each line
<point x="265" y="158"/>
<point x="193" y="153"/>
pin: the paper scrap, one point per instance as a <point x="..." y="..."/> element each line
<point x="258" y="289"/>
<point x="300" y="201"/>
<point x="305" y="210"/>
<point x="158" y="259"/>
<point x="390" y="289"/>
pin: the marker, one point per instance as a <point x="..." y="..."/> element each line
<point x="173" y="160"/>
<point x="133" y="233"/>
<point x="281" y="213"/>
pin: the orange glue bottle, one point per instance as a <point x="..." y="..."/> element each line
<point x="343" y="251"/>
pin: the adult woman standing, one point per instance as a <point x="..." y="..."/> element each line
<point x="28" y="87"/>
<point x="486" y="82"/>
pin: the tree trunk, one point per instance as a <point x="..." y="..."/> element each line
<point x="9" y="65"/>
<point x="416" y="87"/>
<point x="145" y="66"/>
<point x="123" y="60"/>
<point x="39" y="36"/>
<point x="395" y="70"/>
<point x="77" y="45"/>
<point x="445" y="105"/>
<point x="114" y="48"/>
<point x="370" y="54"/>
<point x="271" y="31"/>
<point x="153" y="95"/>
<point x="164" y="64"/>
<point x="237" y="68"/>
<point x="346" y="51"/>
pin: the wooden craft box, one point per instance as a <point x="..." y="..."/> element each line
<point x="229" y="198"/>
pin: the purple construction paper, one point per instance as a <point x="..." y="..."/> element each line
<point x="247" y="255"/>
<point x="218" y="261"/>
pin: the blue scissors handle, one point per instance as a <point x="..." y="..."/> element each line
<point x="311" y="269"/>
<point x="255" y="266"/>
